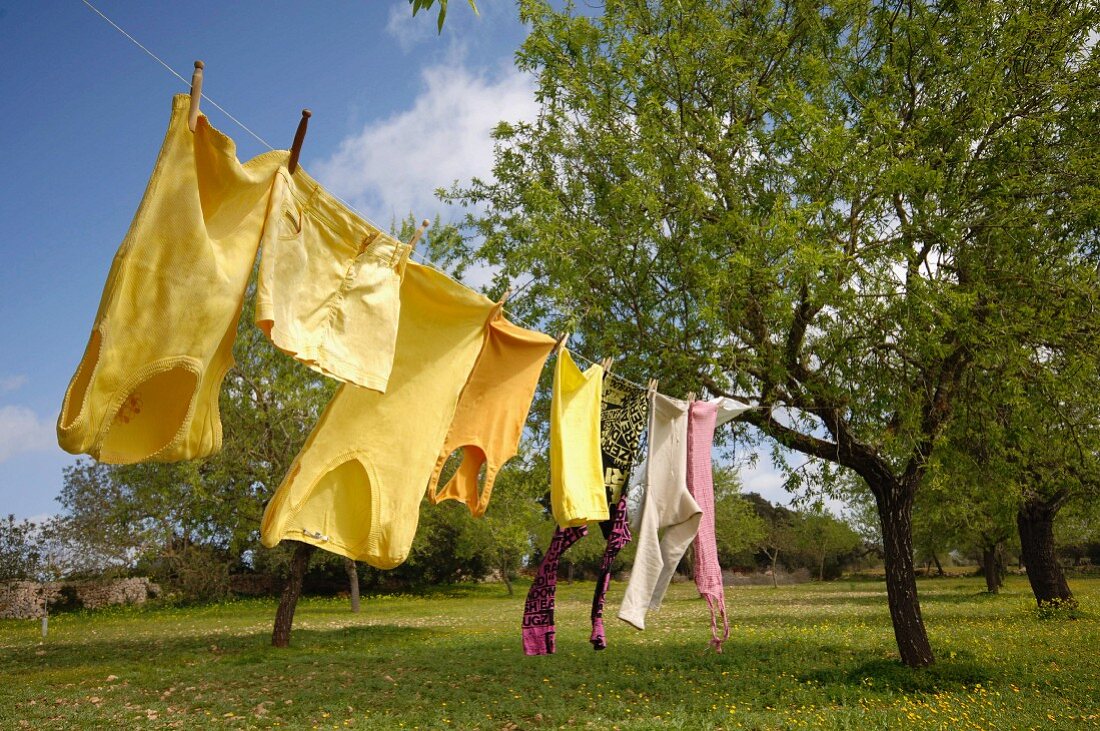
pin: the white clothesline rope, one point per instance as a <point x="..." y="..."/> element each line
<point x="423" y="258"/>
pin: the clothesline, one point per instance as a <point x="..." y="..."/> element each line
<point x="423" y="258"/>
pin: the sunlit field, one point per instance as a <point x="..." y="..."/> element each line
<point x="808" y="656"/>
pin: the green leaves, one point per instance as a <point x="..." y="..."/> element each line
<point x="418" y="5"/>
<point x="821" y="210"/>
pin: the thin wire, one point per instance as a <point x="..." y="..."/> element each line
<point x="213" y="103"/>
<point x="172" y="71"/>
<point x="423" y="257"/>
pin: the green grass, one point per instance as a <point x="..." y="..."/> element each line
<point x="811" y="656"/>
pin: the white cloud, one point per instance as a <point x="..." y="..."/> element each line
<point x="12" y="383"/>
<point x="393" y="166"/>
<point x="22" y="431"/>
<point x="407" y="30"/>
<point x="764" y="479"/>
<point x="769" y="482"/>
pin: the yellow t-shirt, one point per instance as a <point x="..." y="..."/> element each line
<point x="355" y="488"/>
<point x="576" y="466"/>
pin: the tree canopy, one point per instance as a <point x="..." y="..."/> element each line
<point x="836" y="211"/>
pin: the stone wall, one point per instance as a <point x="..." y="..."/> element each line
<point x="25" y="599"/>
<point x="97" y="594"/>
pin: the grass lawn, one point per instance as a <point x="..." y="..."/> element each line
<point x="810" y="656"/>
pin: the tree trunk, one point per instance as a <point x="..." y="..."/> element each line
<point x="775" y="559"/>
<point x="991" y="567"/>
<point x="939" y="568"/>
<point x="353" y="582"/>
<point x="895" y="508"/>
<point x="284" y="616"/>
<point x="1035" y="521"/>
<point x="821" y="568"/>
<point x="504" y="573"/>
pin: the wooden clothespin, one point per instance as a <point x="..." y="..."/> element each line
<point x="562" y="340"/>
<point x="606" y="364"/>
<point x="418" y="233"/>
<point x="299" y="138"/>
<point x="196" y="96"/>
<point x="504" y="297"/>
<point x="691" y="396"/>
<point x="651" y="387"/>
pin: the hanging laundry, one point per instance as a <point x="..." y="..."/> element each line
<point x="617" y="539"/>
<point x="623" y="416"/>
<point x="635" y="495"/>
<point x="576" y="488"/>
<point x="329" y="284"/>
<point x="492" y="411"/>
<point x="356" y="486"/>
<point x="705" y="416"/>
<point x="624" y="412"/>
<point x="538" y="609"/>
<point x="668" y="507"/>
<point x="576" y="470"/>
<point x="147" y="385"/>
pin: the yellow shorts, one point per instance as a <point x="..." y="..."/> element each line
<point x="329" y="288"/>
<point x="147" y="385"/>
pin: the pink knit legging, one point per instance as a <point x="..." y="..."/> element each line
<point x="616" y="541"/>
<point x="538" y="610"/>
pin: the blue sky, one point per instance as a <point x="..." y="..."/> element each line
<point x="397" y="112"/>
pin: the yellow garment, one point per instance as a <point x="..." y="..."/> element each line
<point x="147" y="385"/>
<point x="576" y="465"/>
<point x="329" y="285"/>
<point x="356" y="486"/>
<point x="492" y="411"/>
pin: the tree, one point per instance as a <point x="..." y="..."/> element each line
<point x="352" y="571"/>
<point x="738" y="528"/>
<point x="1059" y="463"/>
<point x="503" y="536"/>
<point x="833" y="211"/>
<point x="20" y="557"/>
<point x="822" y="535"/>
<point x="967" y="503"/>
<point x="778" y="534"/>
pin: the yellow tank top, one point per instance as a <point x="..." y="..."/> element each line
<point x="577" y="493"/>
<point x="491" y="412"/>
<point x="147" y="385"/>
<point x="355" y="488"/>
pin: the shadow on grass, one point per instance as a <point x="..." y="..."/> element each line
<point x="885" y="675"/>
<point x="246" y="647"/>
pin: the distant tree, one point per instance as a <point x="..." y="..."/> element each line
<point x="503" y="536"/>
<point x="779" y="535"/>
<point x="966" y="504"/>
<point x="822" y="535"/>
<point x="192" y="522"/>
<point x="1027" y="445"/>
<point x="20" y="554"/>
<point x="738" y="527"/>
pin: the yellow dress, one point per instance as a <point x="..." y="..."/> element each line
<point x="577" y="493"/>
<point x="355" y="488"/>
<point x="147" y="385"/>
